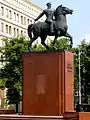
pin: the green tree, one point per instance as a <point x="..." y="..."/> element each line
<point x="11" y="71"/>
<point x="84" y="50"/>
<point x="85" y="70"/>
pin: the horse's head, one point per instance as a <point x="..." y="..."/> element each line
<point x="64" y="10"/>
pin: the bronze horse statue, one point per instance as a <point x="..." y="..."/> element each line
<point x="41" y="29"/>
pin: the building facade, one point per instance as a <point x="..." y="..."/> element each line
<point x="15" y="16"/>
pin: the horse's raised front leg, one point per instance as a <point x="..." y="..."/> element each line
<point x="71" y="39"/>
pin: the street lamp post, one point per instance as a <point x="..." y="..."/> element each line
<point x="79" y="78"/>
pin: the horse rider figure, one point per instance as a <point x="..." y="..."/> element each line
<point x="49" y="12"/>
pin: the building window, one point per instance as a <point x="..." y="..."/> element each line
<point x="17" y="17"/>
<point x="10" y="14"/>
<point x="14" y="16"/>
<point x="17" y="32"/>
<point x="28" y="21"/>
<point x="2" y="27"/>
<point x="7" y="13"/>
<point x="24" y="32"/>
<point x="24" y="20"/>
<point x="6" y="28"/>
<point x="14" y="31"/>
<point x="9" y="29"/>
<point x="2" y="11"/>
<point x="21" y="32"/>
<point x="21" y="19"/>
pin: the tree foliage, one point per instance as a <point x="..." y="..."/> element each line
<point x="84" y="50"/>
<point x="85" y="70"/>
<point x="11" y="71"/>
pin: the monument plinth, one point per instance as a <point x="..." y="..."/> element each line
<point x="48" y="83"/>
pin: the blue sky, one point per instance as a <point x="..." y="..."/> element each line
<point x="79" y="22"/>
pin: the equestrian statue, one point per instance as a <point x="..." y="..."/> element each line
<point x="54" y="25"/>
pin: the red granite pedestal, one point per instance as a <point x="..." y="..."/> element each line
<point x="48" y="83"/>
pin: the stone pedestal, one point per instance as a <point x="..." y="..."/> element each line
<point x="48" y="83"/>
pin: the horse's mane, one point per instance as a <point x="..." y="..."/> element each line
<point x="60" y="6"/>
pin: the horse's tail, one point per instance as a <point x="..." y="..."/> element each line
<point x="30" y="28"/>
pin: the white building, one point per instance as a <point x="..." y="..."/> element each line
<point x="15" y="16"/>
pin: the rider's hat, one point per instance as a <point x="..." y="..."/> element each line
<point x="49" y="3"/>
